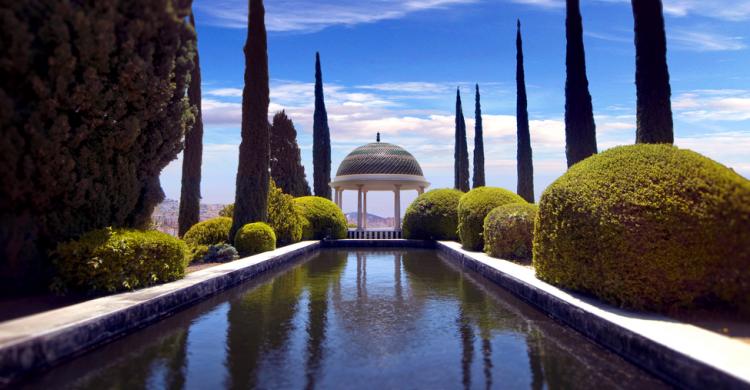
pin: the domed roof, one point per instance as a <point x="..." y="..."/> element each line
<point x="379" y="158"/>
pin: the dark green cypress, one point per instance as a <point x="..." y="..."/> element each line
<point x="461" y="153"/>
<point x="524" y="161"/>
<point x="92" y="108"/>
<point x="321" y="139"/>
<point x="251" y="199"/>
<point x="286" y="161"/>
<point x="192" y="156"/>
<point x="654" y="113"/>
<point x="580" y="129"/>
<point x="478" y="178"/>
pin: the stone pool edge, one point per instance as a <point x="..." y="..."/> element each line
<point x="681" y="354"/>
<point x="43" y="340"/>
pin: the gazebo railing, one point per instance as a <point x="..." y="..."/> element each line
<point x="374" y="234"/>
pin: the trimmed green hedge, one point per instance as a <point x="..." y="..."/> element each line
<point x="110" y="260"/>
<point x="433" y="216"/>
<point x="204" y="234"/>
<point x="321" y="218"/>
<point x="255" y="238"/>
<point x="509" y="230"/>
<point x="474" y="207"/>
<point x="648" y="227"/>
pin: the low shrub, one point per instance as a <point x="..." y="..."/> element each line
<point x="227" y="211"/>
<point x="110" y="260"/>
<point x="473" y="208"/>
<point x="220" y="253"/>
<point x="433" y="216"/>
<point x="204" y="234"/>
<point x="509" y="230"/>
<point x="255" y="238"/>
<point x="321" y="218"/>
<point x="648" y="227"/>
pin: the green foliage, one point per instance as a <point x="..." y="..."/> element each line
<point x="109" y="260"/>
<point x="282" y="217"/>
<point x="433" y="216"/>
<point x="509" y="230"/>
<point x="474" y="207"/>
<point x="255" y="238"/>
<point x="648" y="227"/>
<point x="461" y="151"/>
<point x="220" y="253"/>
<point x="286" y="160"/>
<point x="227" y="211"/>
<point x="321" y="139"/>
<point x="321" y="218"/>
<point x="203" y="234"/>
<point x="92" y="108"/>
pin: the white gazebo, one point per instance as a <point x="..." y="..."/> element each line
<point x="378" y="166"/>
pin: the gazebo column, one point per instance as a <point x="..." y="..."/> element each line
<point x="359" y="207"/>
<point x="364" y="212"/>
<point x="397" y="207"/>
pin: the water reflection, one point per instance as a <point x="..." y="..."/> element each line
<point x="365" y="319"/>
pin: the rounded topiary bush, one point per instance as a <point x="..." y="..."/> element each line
<point x="648" y="227"/>
<point x="109" y="260"/>
<point x="433" y="216"/>
<point x="255" y="238"/>
<point x="474" y="207"/>
<point x="509" y="230"/>
<point x="321" y="218"/>
<point x="204" y="234"/>
<point x="282" y="217"/>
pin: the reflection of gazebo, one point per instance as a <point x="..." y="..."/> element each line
<point x="378" y="166"/>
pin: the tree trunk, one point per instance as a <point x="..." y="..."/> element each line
<point x="580" y="129"/>
<point x="654" y="114"/>
<point x="251" y="200"/>
<point x="190" y="197"/>
<point x="524" y="162"/>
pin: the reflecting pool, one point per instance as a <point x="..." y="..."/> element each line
<point x="354" y="319"/>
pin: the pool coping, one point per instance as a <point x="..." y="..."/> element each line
<point x="681" y="354"/>
<point x="655" y="343"/>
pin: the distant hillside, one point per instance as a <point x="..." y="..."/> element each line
<point x="166" y="214"/>
<point x="373" y="221"/>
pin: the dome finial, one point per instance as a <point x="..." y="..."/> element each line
<point x="378" y="138"/>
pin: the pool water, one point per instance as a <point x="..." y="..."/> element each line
<point x="354" y="319"/>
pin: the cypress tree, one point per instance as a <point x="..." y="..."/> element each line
<point x="524" y="162"/>
<point x="321" y="139"/>
<point x="478" y="178"/>
<point x="654" y="113"/>
<point x="286" y="161"/>
<point x="192" y="156"/>
<point x="251" y="199"/>
<point x="461" y="153"/>
<point x="92" y="108"/>
<point x="580" y="129"/>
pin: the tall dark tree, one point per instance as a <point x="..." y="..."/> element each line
<point x="251" y="199"/>
<point x="461" y="152"/>
<point x="192" y="156"/>
<point x="478" y="178"/>
<point x="286" y="161"/>
<point x="580" y="129"/>
<point x="524" y="164"/>
<point x="92" y="108"/>
<point x="654" y="114"/>
<point x="321" y="139"/>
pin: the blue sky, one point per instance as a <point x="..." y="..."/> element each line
<point x="393" y="66"/>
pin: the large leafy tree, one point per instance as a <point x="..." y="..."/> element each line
<point x="478" y="177"/>
<point x="580" y="129"/>
<point x="192" y="156"/>
<point x="654" y="113"/>
<point x="461" y="153"/>
<point x="92" y="108"/>
<point x="321" y="139"/>
<point x="251" y="199"/>
<point x="523" y="155"/>
<point x="286" y="161"/>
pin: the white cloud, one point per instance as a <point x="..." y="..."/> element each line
<point x="732" y="10"/>
<point x="713" y="105"/>
<point x="225" y="92"/>
<point x="705" y="41"/>
<point x="315" y="15"/>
